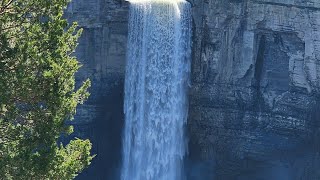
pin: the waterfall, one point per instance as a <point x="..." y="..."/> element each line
<point x="157" y="77"/>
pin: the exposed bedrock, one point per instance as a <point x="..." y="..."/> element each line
<point x="255" y="96"/>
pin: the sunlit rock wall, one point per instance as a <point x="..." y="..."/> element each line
<point x="254" y="100"/>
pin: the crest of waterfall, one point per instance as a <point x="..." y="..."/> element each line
<point x="156" y="84"/>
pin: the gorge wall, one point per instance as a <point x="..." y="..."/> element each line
<point x="254" y="99"/>
<point x="101" y="50"/>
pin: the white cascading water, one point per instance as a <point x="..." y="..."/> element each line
<point x="157" y="77"/>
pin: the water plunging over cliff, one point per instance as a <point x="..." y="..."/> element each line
<point x="157" y="75"/>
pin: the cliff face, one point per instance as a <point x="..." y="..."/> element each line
<point x="255" y="95"/>
<point x="101" y="50"/>
<point x="254" y="100"/>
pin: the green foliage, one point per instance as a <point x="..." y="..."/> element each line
<point x="37" y="91"/>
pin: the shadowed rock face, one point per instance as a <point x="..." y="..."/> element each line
<point x="254" y="101"/>
<point x="101" y="50"/>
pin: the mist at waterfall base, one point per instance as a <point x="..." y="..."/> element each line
<point x="156" y="84"/>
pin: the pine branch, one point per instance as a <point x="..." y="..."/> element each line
<point x="5" y="7"/>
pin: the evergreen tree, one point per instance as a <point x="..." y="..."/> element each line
<point x="37" y="92"/>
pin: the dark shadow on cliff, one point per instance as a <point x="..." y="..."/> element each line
<point x="107" y="136"/>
